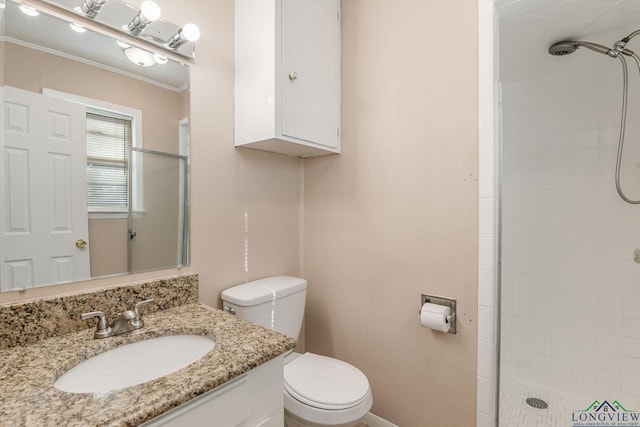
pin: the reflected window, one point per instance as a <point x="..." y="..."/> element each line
<point x="109" y="137"/>
<point x="112" y="130"/>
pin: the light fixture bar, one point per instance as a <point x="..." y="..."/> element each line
<point x="91" y="8"/>
<point x="149" y="11"/>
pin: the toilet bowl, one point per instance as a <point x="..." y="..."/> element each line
<point x="322" y="391"/>
<point x="318" y="390"/>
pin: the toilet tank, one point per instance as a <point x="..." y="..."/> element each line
<point x="276" y="303"/>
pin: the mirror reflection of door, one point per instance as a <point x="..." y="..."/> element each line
<point x="112" y="131"/>
<point x="44" y="218"/>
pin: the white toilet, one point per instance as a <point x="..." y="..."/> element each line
<point x="318" y="390"/>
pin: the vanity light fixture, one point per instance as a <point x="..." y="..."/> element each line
<point x="139" y="57"/>
<point x="91" y="8"/>
<point x="149" y="12"/>
<point x="77" y="28"/>
<point x="28" y="10"/>
<point x="168" y="40"/>
<point x="189" y="32"/>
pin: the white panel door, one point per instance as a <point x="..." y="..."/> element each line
<point x="43" y="181"/>
<point x="310" y="78"/>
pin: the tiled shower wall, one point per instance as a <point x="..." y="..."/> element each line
<point x="570" y="286"/>
<point x="488" y="238"/>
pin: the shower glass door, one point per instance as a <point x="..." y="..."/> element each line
<point x="158" y="209"/>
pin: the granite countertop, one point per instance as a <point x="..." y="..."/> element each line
<point x="27" y="374"/>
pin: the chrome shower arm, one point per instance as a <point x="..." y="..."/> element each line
<point x="593" y="46"/>
<point x="630" y="36"/>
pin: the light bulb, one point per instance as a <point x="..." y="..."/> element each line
<point x="78" y="28"/>
<point x="191" y="32"/>
<point x="150" y="10"/>
<point x="28" y="10"/>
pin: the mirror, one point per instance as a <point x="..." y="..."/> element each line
<point x="94" y="168"/>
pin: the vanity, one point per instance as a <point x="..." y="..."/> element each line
<point x="238" y="382"/>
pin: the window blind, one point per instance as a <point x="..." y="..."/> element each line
<point x="108" y="141"/>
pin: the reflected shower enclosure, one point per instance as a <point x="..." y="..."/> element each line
<point x="158" y="229"/>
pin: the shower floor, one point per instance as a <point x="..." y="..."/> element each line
<point x="515" y="412"/>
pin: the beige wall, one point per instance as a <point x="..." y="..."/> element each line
<point x="109" y="254"/>
<point x="392" y="217"/>
<point x="395" y="214"/>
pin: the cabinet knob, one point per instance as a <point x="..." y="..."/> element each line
<point x="293" y="76"/>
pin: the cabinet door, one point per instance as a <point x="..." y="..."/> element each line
<point x="310" y="71"/>
<point x="227" y="405"/>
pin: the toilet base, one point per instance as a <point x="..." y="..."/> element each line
<point x="291" y="420"/>
<point x="297" y="414"/>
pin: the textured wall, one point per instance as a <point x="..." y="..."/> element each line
<point x="395" y="214"/>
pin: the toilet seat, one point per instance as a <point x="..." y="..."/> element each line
<point x="325" y="383"/>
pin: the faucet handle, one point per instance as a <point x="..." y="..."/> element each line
<point x="137" y="321"/>
<point x="141" y="304"/>
<point x="102" y="329"/>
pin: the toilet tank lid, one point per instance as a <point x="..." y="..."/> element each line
<point x="263" y="290"/>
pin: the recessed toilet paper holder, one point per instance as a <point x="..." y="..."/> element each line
<point x="448" y="302"/>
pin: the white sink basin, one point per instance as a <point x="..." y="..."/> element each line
<point x="134" y="364"/>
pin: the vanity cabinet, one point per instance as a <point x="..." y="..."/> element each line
<point x="255" y="399"/>
<point x="287" y="76"/>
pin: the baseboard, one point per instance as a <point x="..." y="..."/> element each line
<point x="372" y="420"/>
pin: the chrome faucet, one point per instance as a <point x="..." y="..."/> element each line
<point x="126" y="321"/>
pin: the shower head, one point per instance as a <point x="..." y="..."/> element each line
<point x="567" y="47"/>
<point x="562" y="48"/>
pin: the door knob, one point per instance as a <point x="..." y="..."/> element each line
<point x="81" y="244"/>
<point x="293" y="75"/>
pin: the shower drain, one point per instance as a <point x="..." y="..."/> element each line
<point x="534" y="402"/>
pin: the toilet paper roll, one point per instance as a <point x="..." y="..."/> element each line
<point x="436" y="317"/>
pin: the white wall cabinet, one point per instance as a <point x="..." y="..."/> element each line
<point x="255" y="399"/>
<point x="287" y="76"/>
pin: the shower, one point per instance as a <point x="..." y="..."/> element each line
<point x="619" y="50"/>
